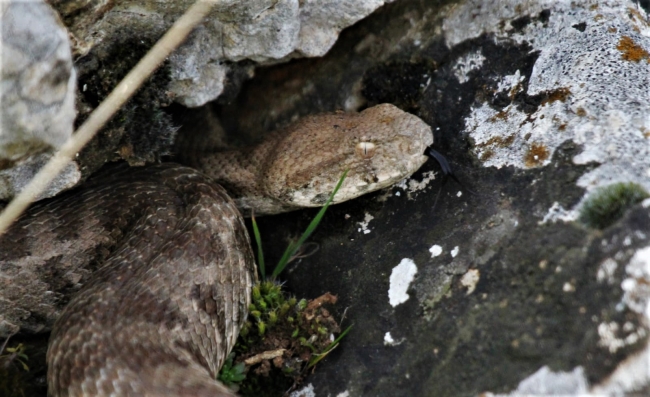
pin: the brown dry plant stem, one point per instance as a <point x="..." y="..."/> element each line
<point x="122" y="93"/>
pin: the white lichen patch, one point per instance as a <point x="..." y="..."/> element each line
<point x="467" y="63"/>
<point x="558" y="213"/>
<point x="307" y="391"/>
<point x="615" y="336"/>
<point x="545" y="382"/>
<point x="400" y="280"/>
<point x="343" y="394"/>
<point x="511" y="83"/>
<point x="390" y="341"/>
<point x="470" y="279"/>
<point x="454" y="251"/>
<point x="415" y="186"/>
<point x="412" y="186"/>
<point x="606" y="271"/>
<point x="487" y="16"/>
<point x="593" y="70"/>
<point x="568" y="287"/>
<point x="364" y="224"/>
<point x="636" y="286"/>
<point x="435" y="250"/>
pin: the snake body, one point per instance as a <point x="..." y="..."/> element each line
<point x="158" y="262"/>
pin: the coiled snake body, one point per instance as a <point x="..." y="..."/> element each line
<point x="158" y="261"/>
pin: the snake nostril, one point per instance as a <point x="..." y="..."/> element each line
<point x="365" y="149"/>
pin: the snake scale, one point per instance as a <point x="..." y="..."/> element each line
<point x="145" y="273"/>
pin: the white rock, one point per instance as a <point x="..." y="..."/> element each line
<point x="38" y="87"/>
<point x="264" y="31"/>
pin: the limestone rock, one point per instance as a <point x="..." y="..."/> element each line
<point x="264" y="31"/>
<point x="38" y="83"/>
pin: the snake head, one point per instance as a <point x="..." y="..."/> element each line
<point x="379" y="146"/>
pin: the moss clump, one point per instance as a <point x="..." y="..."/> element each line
<point x="282" y="338"/>
<point x="608" y="204"/>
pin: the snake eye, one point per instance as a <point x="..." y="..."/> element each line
<point x="365" y="149"/>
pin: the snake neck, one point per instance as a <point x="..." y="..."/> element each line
<point x="242" y="173"/>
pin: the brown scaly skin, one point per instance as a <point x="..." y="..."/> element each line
<point x="158" y="261"/>
<point x="164" y="309"/>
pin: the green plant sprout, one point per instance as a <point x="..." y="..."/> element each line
<point x="231" y="375"/>
<point x="18" y="354"/>
<point x="319" y="356"/>
<point x="278" y="320"/>
<point x="294" y="246"/>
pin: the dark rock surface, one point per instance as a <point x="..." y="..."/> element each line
<point x="543" y="295"/>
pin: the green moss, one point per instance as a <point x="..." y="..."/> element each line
<point x="608" y="204"/>
<point x="277" y="320"/>
<point x="283" y="337"/>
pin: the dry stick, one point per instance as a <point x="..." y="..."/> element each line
<point x="122" y="93"/>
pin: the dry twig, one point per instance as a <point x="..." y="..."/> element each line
<point x="122" y="93"/>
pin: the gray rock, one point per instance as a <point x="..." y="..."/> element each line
<point x="109" y="38"/>
<point x="264" y="31"/>
<point x="14" y="179"/>
<point x="38" y="83"/>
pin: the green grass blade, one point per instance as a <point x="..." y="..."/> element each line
<point x="260" y="253"/>
<point x="293" y="247"/>
<point x="317" y="357"/>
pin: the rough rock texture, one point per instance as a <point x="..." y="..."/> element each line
<point x="537" y="105"/>
<point x="509" y="293"/>
<point x="38" y="83"/>
<point x="108" y="38"/>
<point x="264" y="31"/>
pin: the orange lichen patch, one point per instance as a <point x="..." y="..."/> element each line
<point x="612" y="29"/>
<point x="645" y="132"/>
<point x="631" y="51"/>
<point x="581" y="112"/>
<point x="536" y="155"/>
<point x="502" y="115"/>
<point x="593" y="7"/>
<point x="498" y="141"/>
<point x="632" y="13"/>
<point x="488" y="154"/>
<point x="561" y="124"/>
<point x="560" y="94"/>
